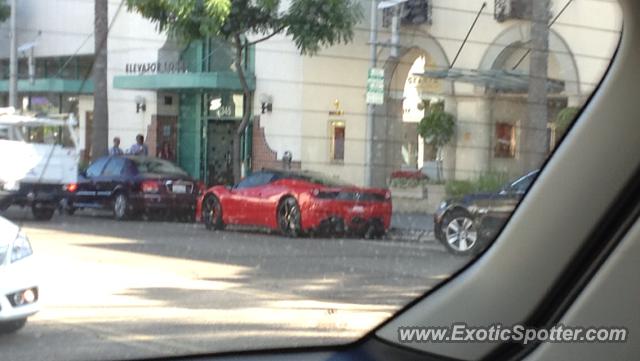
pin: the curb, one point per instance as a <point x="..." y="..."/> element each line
<point x="411" y="235"/>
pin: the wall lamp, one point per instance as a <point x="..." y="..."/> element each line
<point x="267" y="103"/>
<point x="141" y="104"/>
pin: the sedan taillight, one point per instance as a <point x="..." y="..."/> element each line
<point x="71" y="187"/>
<point x="150" y="186"/>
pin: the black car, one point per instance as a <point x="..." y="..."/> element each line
<point x="132" y="185"/>
<point x="465" y="225"/>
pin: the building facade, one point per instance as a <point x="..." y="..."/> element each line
<point x="313" y="109"/>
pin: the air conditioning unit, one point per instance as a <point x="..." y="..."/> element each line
<point x="512" y="9"/>
<point x="412" y="12"/>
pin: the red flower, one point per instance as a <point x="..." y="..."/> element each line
<point x="408" y="174"/>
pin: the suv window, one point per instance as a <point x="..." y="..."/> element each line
<point x="521" y="185"/>
<point x="95" y="169"/>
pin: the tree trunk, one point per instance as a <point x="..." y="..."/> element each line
<point x="246" y="113"/>
<point x="100" y="129"/>
<point x="534" y="132"/>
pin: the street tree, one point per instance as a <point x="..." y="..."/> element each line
<point x="100" y="126"/>
<point x="312" y="24"/>
<point x="5" y="10"/>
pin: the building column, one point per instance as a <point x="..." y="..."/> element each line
<point x="473" y="137"/>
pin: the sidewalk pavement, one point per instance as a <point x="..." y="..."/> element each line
<point x="413" y="227"/>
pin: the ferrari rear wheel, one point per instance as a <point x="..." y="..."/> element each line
<point x="289" y="217"/>
<point x="212" y="213"/>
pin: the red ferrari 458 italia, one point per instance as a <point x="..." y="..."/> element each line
<point x="297" y="203"/>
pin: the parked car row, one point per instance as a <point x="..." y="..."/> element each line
<point x="293" y="203"/>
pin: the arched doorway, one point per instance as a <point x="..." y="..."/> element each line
<point x="407" y="98"/>
<point x="509" y="105"/>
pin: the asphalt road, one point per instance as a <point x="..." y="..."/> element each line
<point x="123" y="290"/>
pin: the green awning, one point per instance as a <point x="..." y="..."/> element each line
<point x="183" y="81"/>
<point x="50" y="85"/>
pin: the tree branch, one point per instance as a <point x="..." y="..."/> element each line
<point x="274" y="33"/>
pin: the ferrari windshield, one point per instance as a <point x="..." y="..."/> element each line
<point x="318" y="178"/>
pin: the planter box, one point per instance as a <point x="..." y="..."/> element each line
<point x="418" y="192"/>
<point x="424" y="199"/>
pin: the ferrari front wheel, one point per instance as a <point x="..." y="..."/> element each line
<point x="289" y="217"/>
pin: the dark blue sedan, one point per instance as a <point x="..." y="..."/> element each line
<point x="133" y="185"/>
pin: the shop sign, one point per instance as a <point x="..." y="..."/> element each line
<point x="160" y="67"/>
<point x="375" y="86"/>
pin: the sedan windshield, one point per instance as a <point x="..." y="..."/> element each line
<point x="156" y="166"/>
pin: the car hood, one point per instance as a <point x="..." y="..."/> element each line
<point x="473" y="198"/>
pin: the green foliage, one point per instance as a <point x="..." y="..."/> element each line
<point x="185" y="19"/>
<point x="320" y="23"/>
<point x="408" y="182"/>
<point x="487" y="182"/>
<point x="456" y="188"/>
<point x="437" y="128"/>
<point x="5" y="10"/>
<point x="311" y="23"/>
<point x="564" y="119"/>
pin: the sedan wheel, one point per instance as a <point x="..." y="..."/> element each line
<point x="121" y="207"/>
<point x="289" y="217"/>
<point x="460" y="234"/>
<point x="212" y="213"/>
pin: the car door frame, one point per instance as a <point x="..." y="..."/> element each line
<point x="554" y="221"/>
<point x="107" y="184"/>
<point x="86" y="195"/>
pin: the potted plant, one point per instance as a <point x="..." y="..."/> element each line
<point x="409" y="184"/>
<point x="437" y="128"/>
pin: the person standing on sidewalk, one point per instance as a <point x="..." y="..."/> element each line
<point x="139" y="148"/>
<point x="115" y="150"/>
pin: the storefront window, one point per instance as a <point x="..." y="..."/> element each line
<point x="505" y="140"/>
<point x="84" y="66"/>
<point x="338" y="131"/>
<point x="219" y="55"/>
<point x="53" y="67"/>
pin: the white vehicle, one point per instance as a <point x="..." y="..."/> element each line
<point x="38" y="156"/>
<point x="18" y="285"/>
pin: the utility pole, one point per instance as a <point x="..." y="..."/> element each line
<point x="13" y="60"/>
<point x="534" y="132"/>
<point x="99" y="137"/>
<point x="368" y="150"/>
